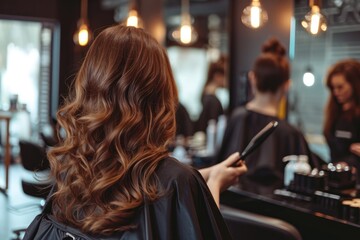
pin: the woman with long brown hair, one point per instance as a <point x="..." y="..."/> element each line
<point x="113" y="173"/>
<point x="342" y="112"/>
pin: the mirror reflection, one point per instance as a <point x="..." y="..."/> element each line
<point x="199" y="67"/>
<point x="313" y="55"/>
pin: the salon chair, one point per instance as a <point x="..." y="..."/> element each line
<point x="250" y="226"/>
<point x="34" y="160"/>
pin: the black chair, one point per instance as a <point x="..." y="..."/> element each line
<point x="250" y="226"/>
<point x="49" y="139"/>
<point x="34" y="159"/>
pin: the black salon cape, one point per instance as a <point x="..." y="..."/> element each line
<point x="187" y="211"/>
<point x="266" y="161"/>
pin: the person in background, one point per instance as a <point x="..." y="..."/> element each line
<point x="113" y="173"/>
<point x="211" y="105"/>
<point x="184" y="125"/>
<point x="342" y="112"/>
<point x="270" y="81"/>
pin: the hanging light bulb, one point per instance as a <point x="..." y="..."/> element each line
<point x="133" y="19"/>
<point x="308" y="77"/>
<point x="83" y="35"/>
<point x="185" y="34"/>
<point x="314" y="21"/>
<point x="254" y="16"/>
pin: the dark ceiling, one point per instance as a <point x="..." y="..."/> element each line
<point x="199" y="10"/>
<point x="172" y="7"/>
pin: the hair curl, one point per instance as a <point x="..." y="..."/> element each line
<point x="118" y="121"/>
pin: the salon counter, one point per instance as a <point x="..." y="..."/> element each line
<point x="305" y="213"/>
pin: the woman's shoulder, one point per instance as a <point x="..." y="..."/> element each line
<point x="210" y="99"/>
<point x="239" y="111"/>
<point x="170" y="171"/>
<point x="260" y="118"/>
<point x="287" y="128"/>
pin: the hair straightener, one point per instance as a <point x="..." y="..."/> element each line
<point x="258" y="139"/>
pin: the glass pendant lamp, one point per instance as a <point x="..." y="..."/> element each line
<point x="314" y="22"/>
<point x="254" y="15"/>
<point x="83" y="34"/>
<point x="185" y="34"/>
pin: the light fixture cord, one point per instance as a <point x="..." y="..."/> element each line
<point x="314" y="2"/>
<point x="84" y="5"/>
<point x="185" y="6"/>
<point x="185" y="15"/>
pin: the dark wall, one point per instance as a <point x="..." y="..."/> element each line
<point x="245" y="43"/>
<point x="67" y="13"/>
<point x="30" y="8"/>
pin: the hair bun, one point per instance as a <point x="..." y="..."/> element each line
<point x="274" y="46"/>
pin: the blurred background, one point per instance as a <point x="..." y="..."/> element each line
<point x="38" y="55"/>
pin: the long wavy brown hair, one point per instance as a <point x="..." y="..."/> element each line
<point x="350" y="69"/>
<point x="118" y="121"/>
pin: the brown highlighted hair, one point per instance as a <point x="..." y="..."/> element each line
<point x="118" y="121"/>
<point x="350" y="69"/>
<point x="271" y="68"/>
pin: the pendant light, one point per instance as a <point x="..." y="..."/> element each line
<point x="185" y="34"/>
<point x="308" y="77"/>
<point x="133" y="18"/>
<point x="314" y="21"/>
<point x="254" y="16"/>
<point x="83" y="35"/>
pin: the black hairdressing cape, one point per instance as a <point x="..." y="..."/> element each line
<point x="186" y="211"/>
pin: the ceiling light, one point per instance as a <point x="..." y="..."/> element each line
<point x="185" y="34"/>
<point x="83" y="34"/>
<point x="254" y="16"/>
<point x="314" y="21"/>
<point x="133" y="19"/>
<point x="308" y="78"/>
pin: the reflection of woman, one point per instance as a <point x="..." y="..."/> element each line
<point x="212" y="107"/>
<point x="269" y="79"/>
<point x="342" y="115"/>
<point x="112" y="171"/>
<point x="184" y="125"/>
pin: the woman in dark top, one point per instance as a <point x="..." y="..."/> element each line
<point x="342" y="113"/>
<point x="270" y="80"/>
<point x="184" y="125"/>
<point x="211" y="105"/>
<point x="113" y="173"/>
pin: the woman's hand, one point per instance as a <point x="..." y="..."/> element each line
<point x="222" y="175"/>
<point x="355" y="148"/>
<point x="226" y="173"/>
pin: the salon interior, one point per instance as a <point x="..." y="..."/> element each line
<point x="43" y="43"/>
